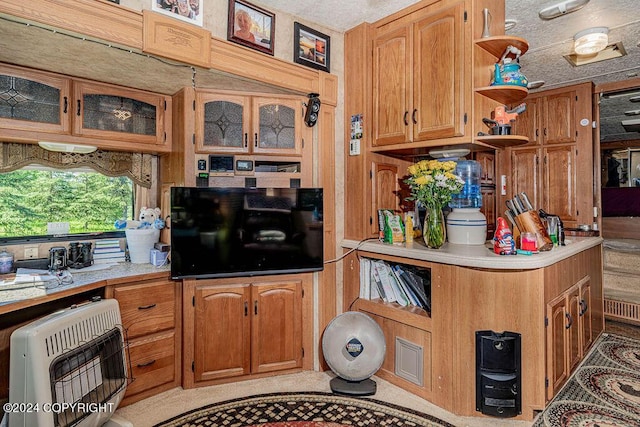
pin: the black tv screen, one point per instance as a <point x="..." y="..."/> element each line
<point x="227" y="232"/>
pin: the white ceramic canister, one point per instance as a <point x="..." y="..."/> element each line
<point x="6" y="262"/>
<point x="467" y="226"/>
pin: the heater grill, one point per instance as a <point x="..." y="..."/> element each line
<point x="71" y="364"/>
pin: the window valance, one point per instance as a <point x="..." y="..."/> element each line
<point x="136" y="166"/>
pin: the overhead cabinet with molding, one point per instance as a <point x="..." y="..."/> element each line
<point x="46" y="106"/>
<point x="418" y="76"/>
<point x="248" y="124"/>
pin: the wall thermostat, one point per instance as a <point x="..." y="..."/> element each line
<point x="244" y="165"/>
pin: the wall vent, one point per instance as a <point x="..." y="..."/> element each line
<point x="622" y="310"/>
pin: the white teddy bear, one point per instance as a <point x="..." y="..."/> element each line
<point x="148" y="218"/>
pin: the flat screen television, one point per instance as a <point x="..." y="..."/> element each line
<point x="227" y="232"/>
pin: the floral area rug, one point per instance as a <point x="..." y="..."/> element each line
<point x="604" y="391"/>
<point x="312" y="409"/>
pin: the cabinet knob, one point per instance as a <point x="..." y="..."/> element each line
<point x="413" y="116"/>
<point x="406" y="118"/>
<point x="255" y="307"/>
<point x="78" y="112"/>
<point x="146" y="307"/>
<point x="583" y="307"/>
<point x="246" y="139"/>
<point x="255" y="143"/>
<point x="66" y="105"/>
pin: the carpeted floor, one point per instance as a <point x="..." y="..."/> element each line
<point x="314" y="409"/>
<point x="603" y="391"/>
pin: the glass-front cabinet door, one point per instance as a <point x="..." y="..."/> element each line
<point x="32" y="100"/>
<point x="106" y="111"/>
<point x="222" y="123"/>
<point x="277" y="125"/>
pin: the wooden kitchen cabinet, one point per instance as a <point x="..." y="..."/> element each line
<point x="384" y="190"/>
<point x="151" y="317"/>
<point x="35" y="100"/>
<point x="50" y="107"/>
<point x="569" y="333"/>
<point x="242" y="327"/>
<point x="113" y="112"/>
<point x="555" y="167"/>
<point x="242" y="124"/>
<point x="418" y="87"/>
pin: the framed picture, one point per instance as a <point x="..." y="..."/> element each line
<point x="310" y="47"/>
<point x="186" y="10"/>
<point x="251" y="26"/>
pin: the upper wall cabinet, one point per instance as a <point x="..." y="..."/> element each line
<point x="31" y="100"/>
<point x="37" y="105"/>
<point x="418" y="77"/>
<point x="230" y="123"/>
<point x="117" y="113"/>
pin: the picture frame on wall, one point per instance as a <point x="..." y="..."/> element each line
<point x="185" y="10"/>
<point x="251" y="26"/>
<point x="311" y="47"/>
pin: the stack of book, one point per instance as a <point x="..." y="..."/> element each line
<point x="108" y="251"/>
<point x="404" y="285"/>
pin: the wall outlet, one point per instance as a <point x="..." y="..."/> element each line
<point x="30" y="252"/>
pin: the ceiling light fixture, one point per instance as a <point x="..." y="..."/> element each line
<point x="591" y="40"/>
<point x="67" y="148"/>
<point x="561" y="8"/>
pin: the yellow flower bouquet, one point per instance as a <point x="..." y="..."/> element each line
<point x="433" y="183"/>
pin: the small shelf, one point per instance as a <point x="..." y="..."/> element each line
<point x="410" y="315"/>
<point x="503" y="141"/>
<point x="496" y="45"/>
<point x="505" y="94"/>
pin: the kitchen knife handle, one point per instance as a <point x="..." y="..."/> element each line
<point x="527" y="202"/>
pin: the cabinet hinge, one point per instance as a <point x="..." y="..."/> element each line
<point x="302" y="142"/>
<point x="546" y="383"/>
<point x="302" y="351"/>
<point x="165" y="137"/>
<point x="370" y="221"/>
<point x="194" y="105"/>
<point x="193" y="366"/>
<point x="165" y="105"/>
<point x="193" y="301"/>
<point x="465" y="16"/>
<point x="193" y="139"/>
<point x="370" y="174"/>
<point x="303" y="293"/>
<point x="546" y="322"/>
<point x="465" y="118"/>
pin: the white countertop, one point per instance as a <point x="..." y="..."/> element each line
<point x="477" y="256"/>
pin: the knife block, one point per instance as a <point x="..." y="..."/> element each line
<point x="530" y="222"/>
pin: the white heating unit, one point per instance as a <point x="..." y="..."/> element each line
<point x="68" y="368"/>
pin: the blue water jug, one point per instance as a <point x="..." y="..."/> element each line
<point x="470" y="196"/>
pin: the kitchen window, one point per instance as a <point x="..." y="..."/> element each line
<point x="48" y="195"/>
<point x="41" y="201"/>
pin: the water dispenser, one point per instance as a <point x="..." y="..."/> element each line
<point x="466" y="225"/>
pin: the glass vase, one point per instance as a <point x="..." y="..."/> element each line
<point x="434" y="230"/>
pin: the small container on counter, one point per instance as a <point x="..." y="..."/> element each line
<point x="6" y="262"/>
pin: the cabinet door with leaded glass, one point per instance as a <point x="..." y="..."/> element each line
<point x="34" y="101"/>
<point x="120" y="114"/>
<point x="277" y="126"/>
<point x="222" y="123"/>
